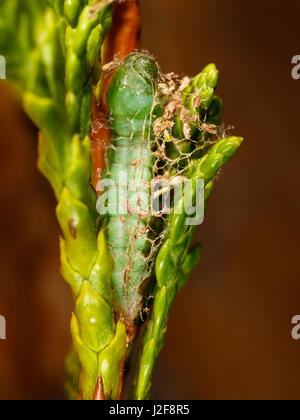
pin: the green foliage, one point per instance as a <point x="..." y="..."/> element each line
<point x="174" y="263"/>
<point x="203" y="87"/>
<point x="55" y="57"/>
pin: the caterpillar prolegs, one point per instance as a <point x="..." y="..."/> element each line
<point x="131" y="101"/>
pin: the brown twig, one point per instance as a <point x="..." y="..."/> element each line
<point x="122" y="39"/>
<point x="99" y="390"/>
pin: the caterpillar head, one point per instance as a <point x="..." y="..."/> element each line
<point x="133" y="87"/>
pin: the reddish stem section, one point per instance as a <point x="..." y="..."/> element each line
<point x="99" y="390"/>
<point x="122" y="373"/>
<point x="80" y="387"/>
<point x="122" y="39"/>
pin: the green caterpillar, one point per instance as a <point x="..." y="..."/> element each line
<point x="130" y="160"/>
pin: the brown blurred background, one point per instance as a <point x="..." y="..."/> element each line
<point x="230" y="332"/>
